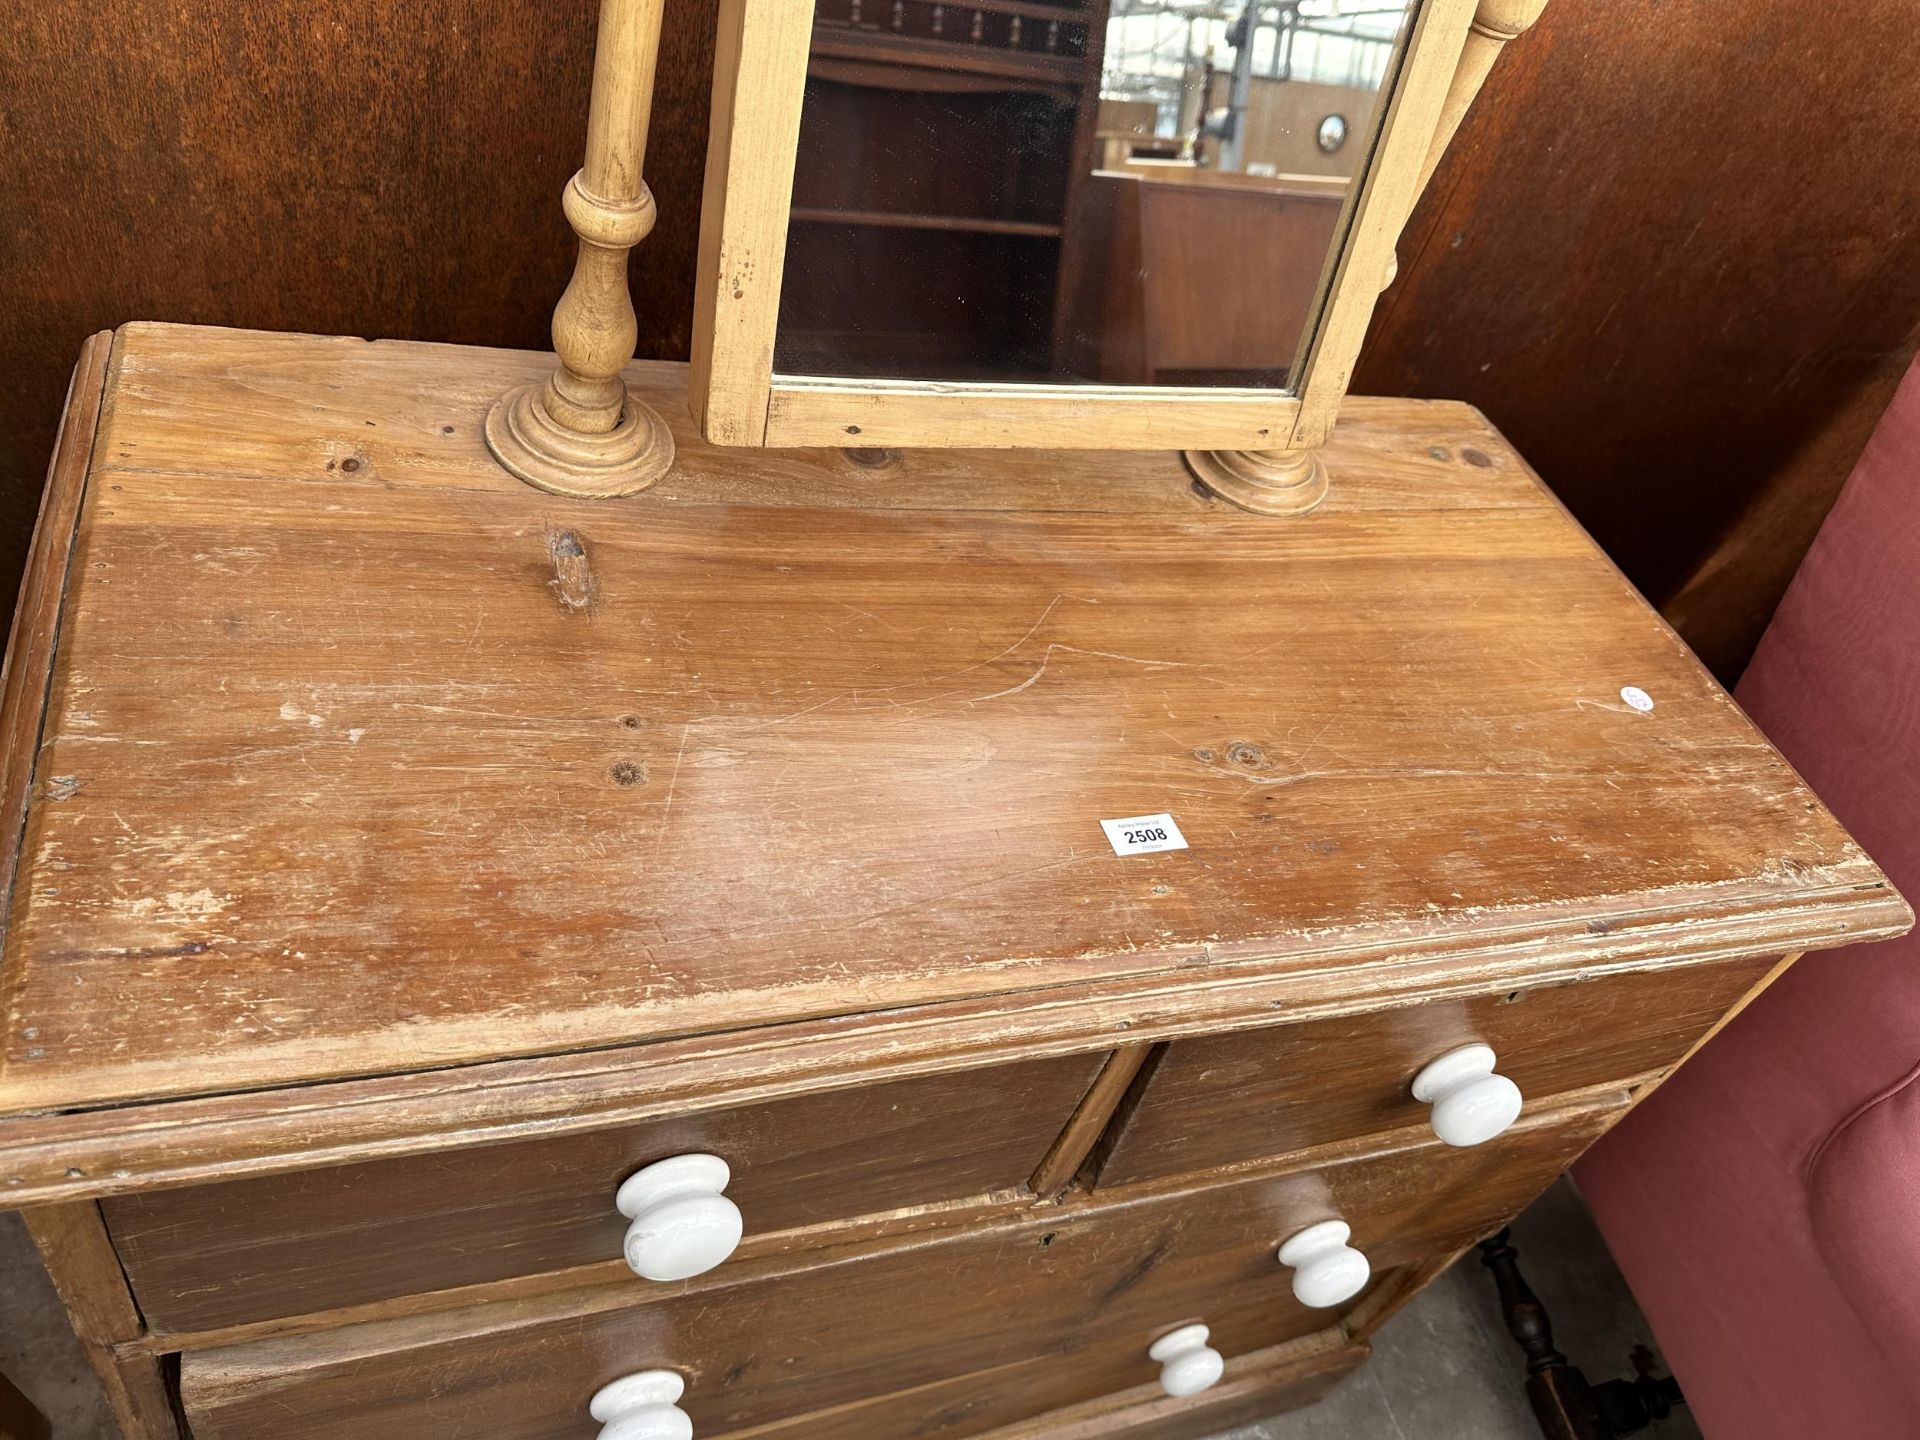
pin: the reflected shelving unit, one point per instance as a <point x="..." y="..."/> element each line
<point x="936" y="170"/>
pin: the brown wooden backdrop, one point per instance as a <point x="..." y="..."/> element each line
<point x="1675" y="253"/>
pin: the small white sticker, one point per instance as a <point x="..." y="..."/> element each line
<point x="1143" y="834"/>
<point x="1637" y="698"/>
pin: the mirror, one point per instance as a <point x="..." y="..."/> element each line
<point x="1020" y="191"/>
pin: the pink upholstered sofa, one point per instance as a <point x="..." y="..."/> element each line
<point x="1765" y="1203"/>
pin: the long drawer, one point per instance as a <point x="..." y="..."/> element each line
<point x="1224" y="1099"/>
<point x="1039" y="1398"/>
<point x="1072" y="1297"/>
<point x="347" y="1235"/>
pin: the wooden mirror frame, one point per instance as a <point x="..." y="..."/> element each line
<point x="760" y="70"/>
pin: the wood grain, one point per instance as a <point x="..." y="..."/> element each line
<point x="1263" y="1383"/>
<point x="1095" y="1283"/>
<point x="610" y="207"/>
<point x="1076" y="1141"/>
<point x="36" y="619"/>
<point x="1162" y="301"/>
<point x="138" y="1393"/>
<point x="1256" y="1387"/>
<point x="411" y="179"/>
<point x="293" y="870"/>
<point x="610" y="1286"/>
<point x="806" y="412"/>
<point x="120" y="1151"/>
<point x="350" y="1235"/>
<point x="1376" y="209"/>
<point x="345" y="168"/>
<point x="1682" y="281"/>
<point x="581" y="433"/>
<point x="1496" y="23"/>
<point x="80" y="1260"/>
<point x="233" y="399"/>
<point x="759" y="80"/>
<point x="1222" y="1099"/>
<point x="79" y="1256"/>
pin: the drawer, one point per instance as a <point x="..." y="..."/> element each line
<point x="1068" y="1301"/>
<point x="1224" y="1099"/>
<point x="323" y="1239"/>
<point x="1037" y="1399"/>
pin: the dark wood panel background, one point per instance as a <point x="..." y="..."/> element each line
<point x="354" y="167"/>
<point x="1675" y="256"/>
<point x="1675" y="253"/>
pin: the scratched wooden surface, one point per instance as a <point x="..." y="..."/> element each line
<point x="350" y="768"/>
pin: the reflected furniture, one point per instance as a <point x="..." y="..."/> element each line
<point x="1779" y="1174"/>
<point x="935" y="172"/>
<point x="1189" y="275"/>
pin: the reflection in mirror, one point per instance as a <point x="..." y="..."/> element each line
<point x="1028" y="191"/>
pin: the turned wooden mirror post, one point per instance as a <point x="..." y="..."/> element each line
<point x="1249" y="399"/>
<point x="1292" y="480"/>
<point x="581" y="433"/>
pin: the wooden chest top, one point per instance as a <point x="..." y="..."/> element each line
<point x="359" y="757"/>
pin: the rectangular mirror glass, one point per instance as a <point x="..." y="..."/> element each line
<point x="1020" y="191"/>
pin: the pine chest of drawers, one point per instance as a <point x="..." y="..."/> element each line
<point x="483" y="964"/>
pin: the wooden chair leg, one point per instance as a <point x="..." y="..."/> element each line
<point x="1565" y="1404"/>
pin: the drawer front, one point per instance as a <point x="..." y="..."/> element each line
<point x="345" y="1235"/>
<point x="1224" y="1099"/>
<point x="1002" y="1404"/>
<point x="1070" y="1299"/>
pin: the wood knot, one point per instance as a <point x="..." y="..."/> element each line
<point x="573" y="580"/>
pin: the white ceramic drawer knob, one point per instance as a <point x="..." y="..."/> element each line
<point x="682" y="1224"/>
<point x="1471" y="1104"/>
<point x="1327" y="1271"/>
<point x="1188" y="1364"/>
<point x="642" y="1406"/>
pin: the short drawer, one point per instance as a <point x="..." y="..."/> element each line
<point x="347" y="1235"/>
<point x="1223" y="1099"/>
<point x="1067" y="1302"/>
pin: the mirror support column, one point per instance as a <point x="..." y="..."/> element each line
<point x="581" y="432"/>
<point x="1292" y="482"/>
<point x="1267" y="482"/>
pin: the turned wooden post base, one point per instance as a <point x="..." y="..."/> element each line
<point x="1267" y="482"/>
<point x="531" y="444"/>
<point x="582" y="433"/>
